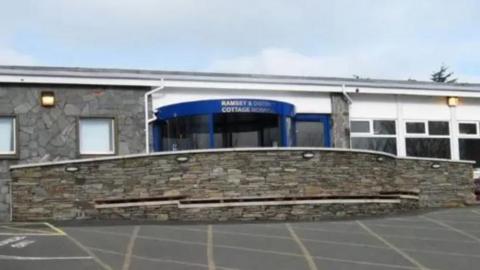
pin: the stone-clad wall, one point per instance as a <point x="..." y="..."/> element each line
<point x="50" y="192"/>
<point x="50" y="134"/>
<point x="340" y="121"/>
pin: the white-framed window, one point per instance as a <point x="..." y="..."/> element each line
<point x="469" y="141"/>
<point x="428" y="138"/>
<point x="374" y="134"/>
<point x="7" y="135"/>
<point x="96" y="136"/>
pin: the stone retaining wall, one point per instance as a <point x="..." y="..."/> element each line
<point x="50" y="134"/>
<point x="50" y="191"/>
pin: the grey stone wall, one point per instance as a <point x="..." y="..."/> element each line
<point x="49" y="134"/>
<point x="50" y="192"/>
<point x="341" y="121"/>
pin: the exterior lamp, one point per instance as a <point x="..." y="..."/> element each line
<point x="182" y="159"/>
<point x="47" y="99"/>
<point x="308" y="155"/>
<point x="452" y="101"/>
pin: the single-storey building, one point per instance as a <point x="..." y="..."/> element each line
<point x="50" y="114"/>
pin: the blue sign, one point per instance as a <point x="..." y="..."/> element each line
<point x="226" y="106"/>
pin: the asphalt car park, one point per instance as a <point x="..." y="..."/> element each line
<point x="443" y="239"/>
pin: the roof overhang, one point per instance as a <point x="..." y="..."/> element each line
<point x="235" y="82"/>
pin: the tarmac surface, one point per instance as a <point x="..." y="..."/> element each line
<point x="444" y="240"/>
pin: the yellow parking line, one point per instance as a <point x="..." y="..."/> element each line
<point x="392" y="246"/>
<point x="210" y="257"/>
<point x="303" y="248"/>
<point x="26" y="230"/>
<point x="55" y="229"/>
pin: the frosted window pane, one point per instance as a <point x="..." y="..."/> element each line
<point x="96" y="136"/>
<point x="6" y="135"/>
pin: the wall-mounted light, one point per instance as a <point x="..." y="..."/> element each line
<point x="435" y="166"/>
<point x="71" y="169"/>
<point x="182" y="159"/>
<point x="308" y="155"/>
<point x="380" y="159"/>
<point x="47" y="99"/>
<point x="452" y="101"/>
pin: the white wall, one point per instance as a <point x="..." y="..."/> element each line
<point x="468" y="109"/>
<point x="404" y="108"/>
<point x="304" y="102"/>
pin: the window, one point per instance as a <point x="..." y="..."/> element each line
<point x="428" y="139"/>
<point x="377" y="135"/>
<point x="415" y="128"/>
<point x="468" y="128"/>
<point x="183" y="133"/>
<point x="469" y="141"/>
<point x="360" y="126"/>
<point x="310" y="134"/>
<point x="312" y="130"/>
<point x="438" y="128"/>
<point x="7" y="135"/>
<point x="246" y="130"/>
<point x="470" y="150"/>
<point x="96" y="136"/>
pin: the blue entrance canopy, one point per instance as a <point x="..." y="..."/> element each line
<point x="225" y="106"/>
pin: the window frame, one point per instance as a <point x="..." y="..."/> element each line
<point x="426" y="134"/>
<point x="468" y="136"/>
<point x="15" y="153"/>
<point x="371" y="132"/>
<point x="114" y="136"/>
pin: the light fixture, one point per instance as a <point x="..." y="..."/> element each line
<point x="452" y="101"/>
<point x="380" y="159"/>
<point x="435" y="166"/>
<point x="182" y="159"/>
<point x="71" y="169"/>
<point x="308" y="155"/>
<point x="47" y="99"/>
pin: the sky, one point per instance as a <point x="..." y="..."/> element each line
<point x="383" y="39"/>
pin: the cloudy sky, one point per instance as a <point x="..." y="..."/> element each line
<point x="393" y="39"/>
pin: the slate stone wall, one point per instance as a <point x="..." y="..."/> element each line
<point x="340" y="121"/>
<point x="50" y="134"/>
<point x="50" y="192"/>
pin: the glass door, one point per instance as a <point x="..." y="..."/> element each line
<point x="312" y="130"/>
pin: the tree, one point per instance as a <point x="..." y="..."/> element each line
<point x="442" y="76"/>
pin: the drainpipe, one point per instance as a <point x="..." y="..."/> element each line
<point x="147" y="111"/>
<point x="349" y="103"/>
<point x="345" y="94"/>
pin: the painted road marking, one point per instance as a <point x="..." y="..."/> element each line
<point x="211" y="261"/>
<point x="55" y="229"/>
<point x="476" y="212"/>
<point x="22" y="244"/>
<point x="20" y="258"/>
<point x="403" y="254"/>
<point x="24" y="229"/>
<point x="159" y="259"/>
<point x="11" y="240"/>
<point x="128" y="254"/>
<point x="306" y="253"/>
<point x="186" y="242"/>
<point x="469" y="235"/>
<point x="82" y="247"/>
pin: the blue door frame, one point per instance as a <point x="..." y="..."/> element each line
<point x="285" y="112"/>
<point x="323" y="118"/>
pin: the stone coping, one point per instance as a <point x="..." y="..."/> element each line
<point x="226" y="150"/>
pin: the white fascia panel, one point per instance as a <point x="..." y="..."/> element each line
<point x="415" y="92"/>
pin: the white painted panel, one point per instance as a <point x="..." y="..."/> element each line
<point x="425" y="108"/>
<point x="304" y="102"/>
<point x="373" y="106"/>
<point x="468" y="109"/>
